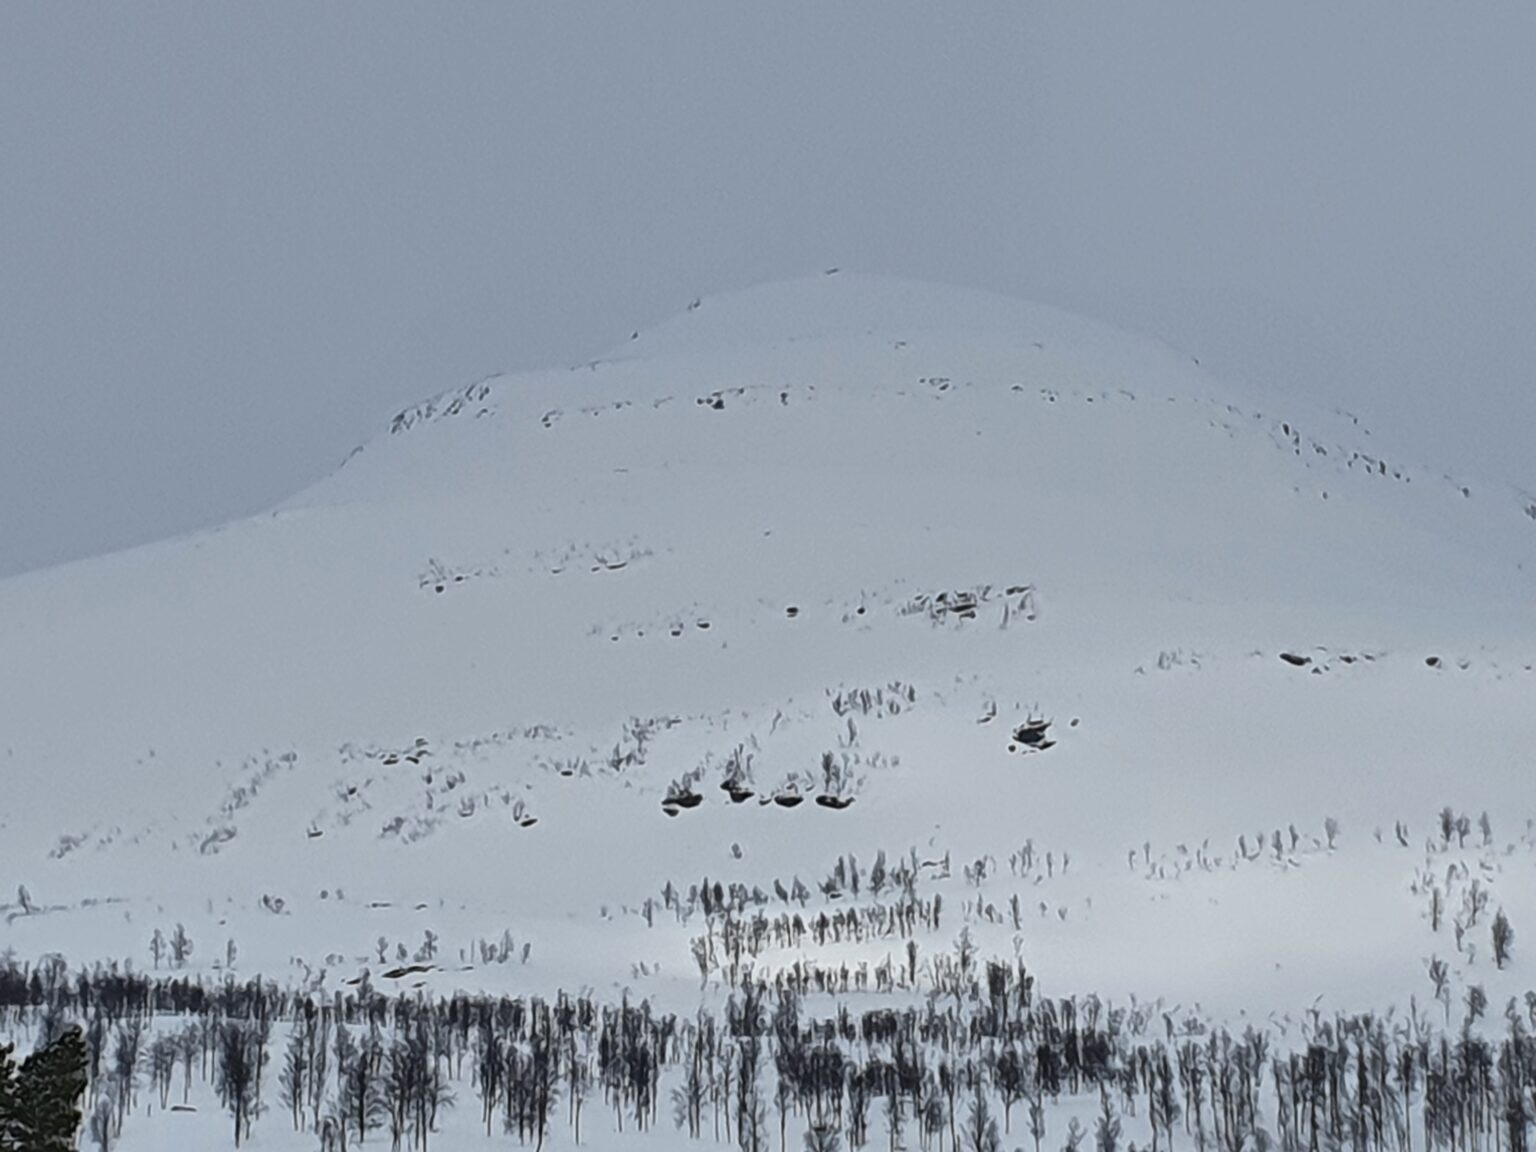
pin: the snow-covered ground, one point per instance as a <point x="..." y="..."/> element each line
<point x="838" y="537"/>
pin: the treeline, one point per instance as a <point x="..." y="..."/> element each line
<point x="975" y="1054"/>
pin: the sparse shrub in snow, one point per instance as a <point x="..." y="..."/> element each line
<point x="66" y="844"/>
<point x="181" y="946"/>
<point x="209" y="844"/>
<point x="1439" y="979"/>
<point x="1106" y="1129"/>
<point x="428" y="949"/>
<point x="1477" y="1003"/>
<point x="886" y="700"/>
<point x="736" y="774"/>
<point x="836" y="774"/>
<point x="157" y="947"/>
<point x="1503" y="939"/>
<point x="1169" y="659"/>
<point x="963" y="604"/>
<point x="980" y="1134"/>
<point x="683" y="790"/>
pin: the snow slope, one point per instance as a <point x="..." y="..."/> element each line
<point x="453" y="682"/>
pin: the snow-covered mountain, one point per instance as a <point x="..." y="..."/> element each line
<point x="837" y="538"/>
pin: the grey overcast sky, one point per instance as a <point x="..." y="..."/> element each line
<point x="234" y="237"/>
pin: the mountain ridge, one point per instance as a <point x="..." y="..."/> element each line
<point x="852" y="565"/>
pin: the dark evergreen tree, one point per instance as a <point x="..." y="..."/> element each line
<point x="8" y="1099"/>
<point x="40" y="1101"/>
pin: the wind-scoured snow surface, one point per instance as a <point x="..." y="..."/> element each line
<point x="449" y="687"/>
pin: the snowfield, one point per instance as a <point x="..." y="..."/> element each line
<point x="781" y="583"/>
